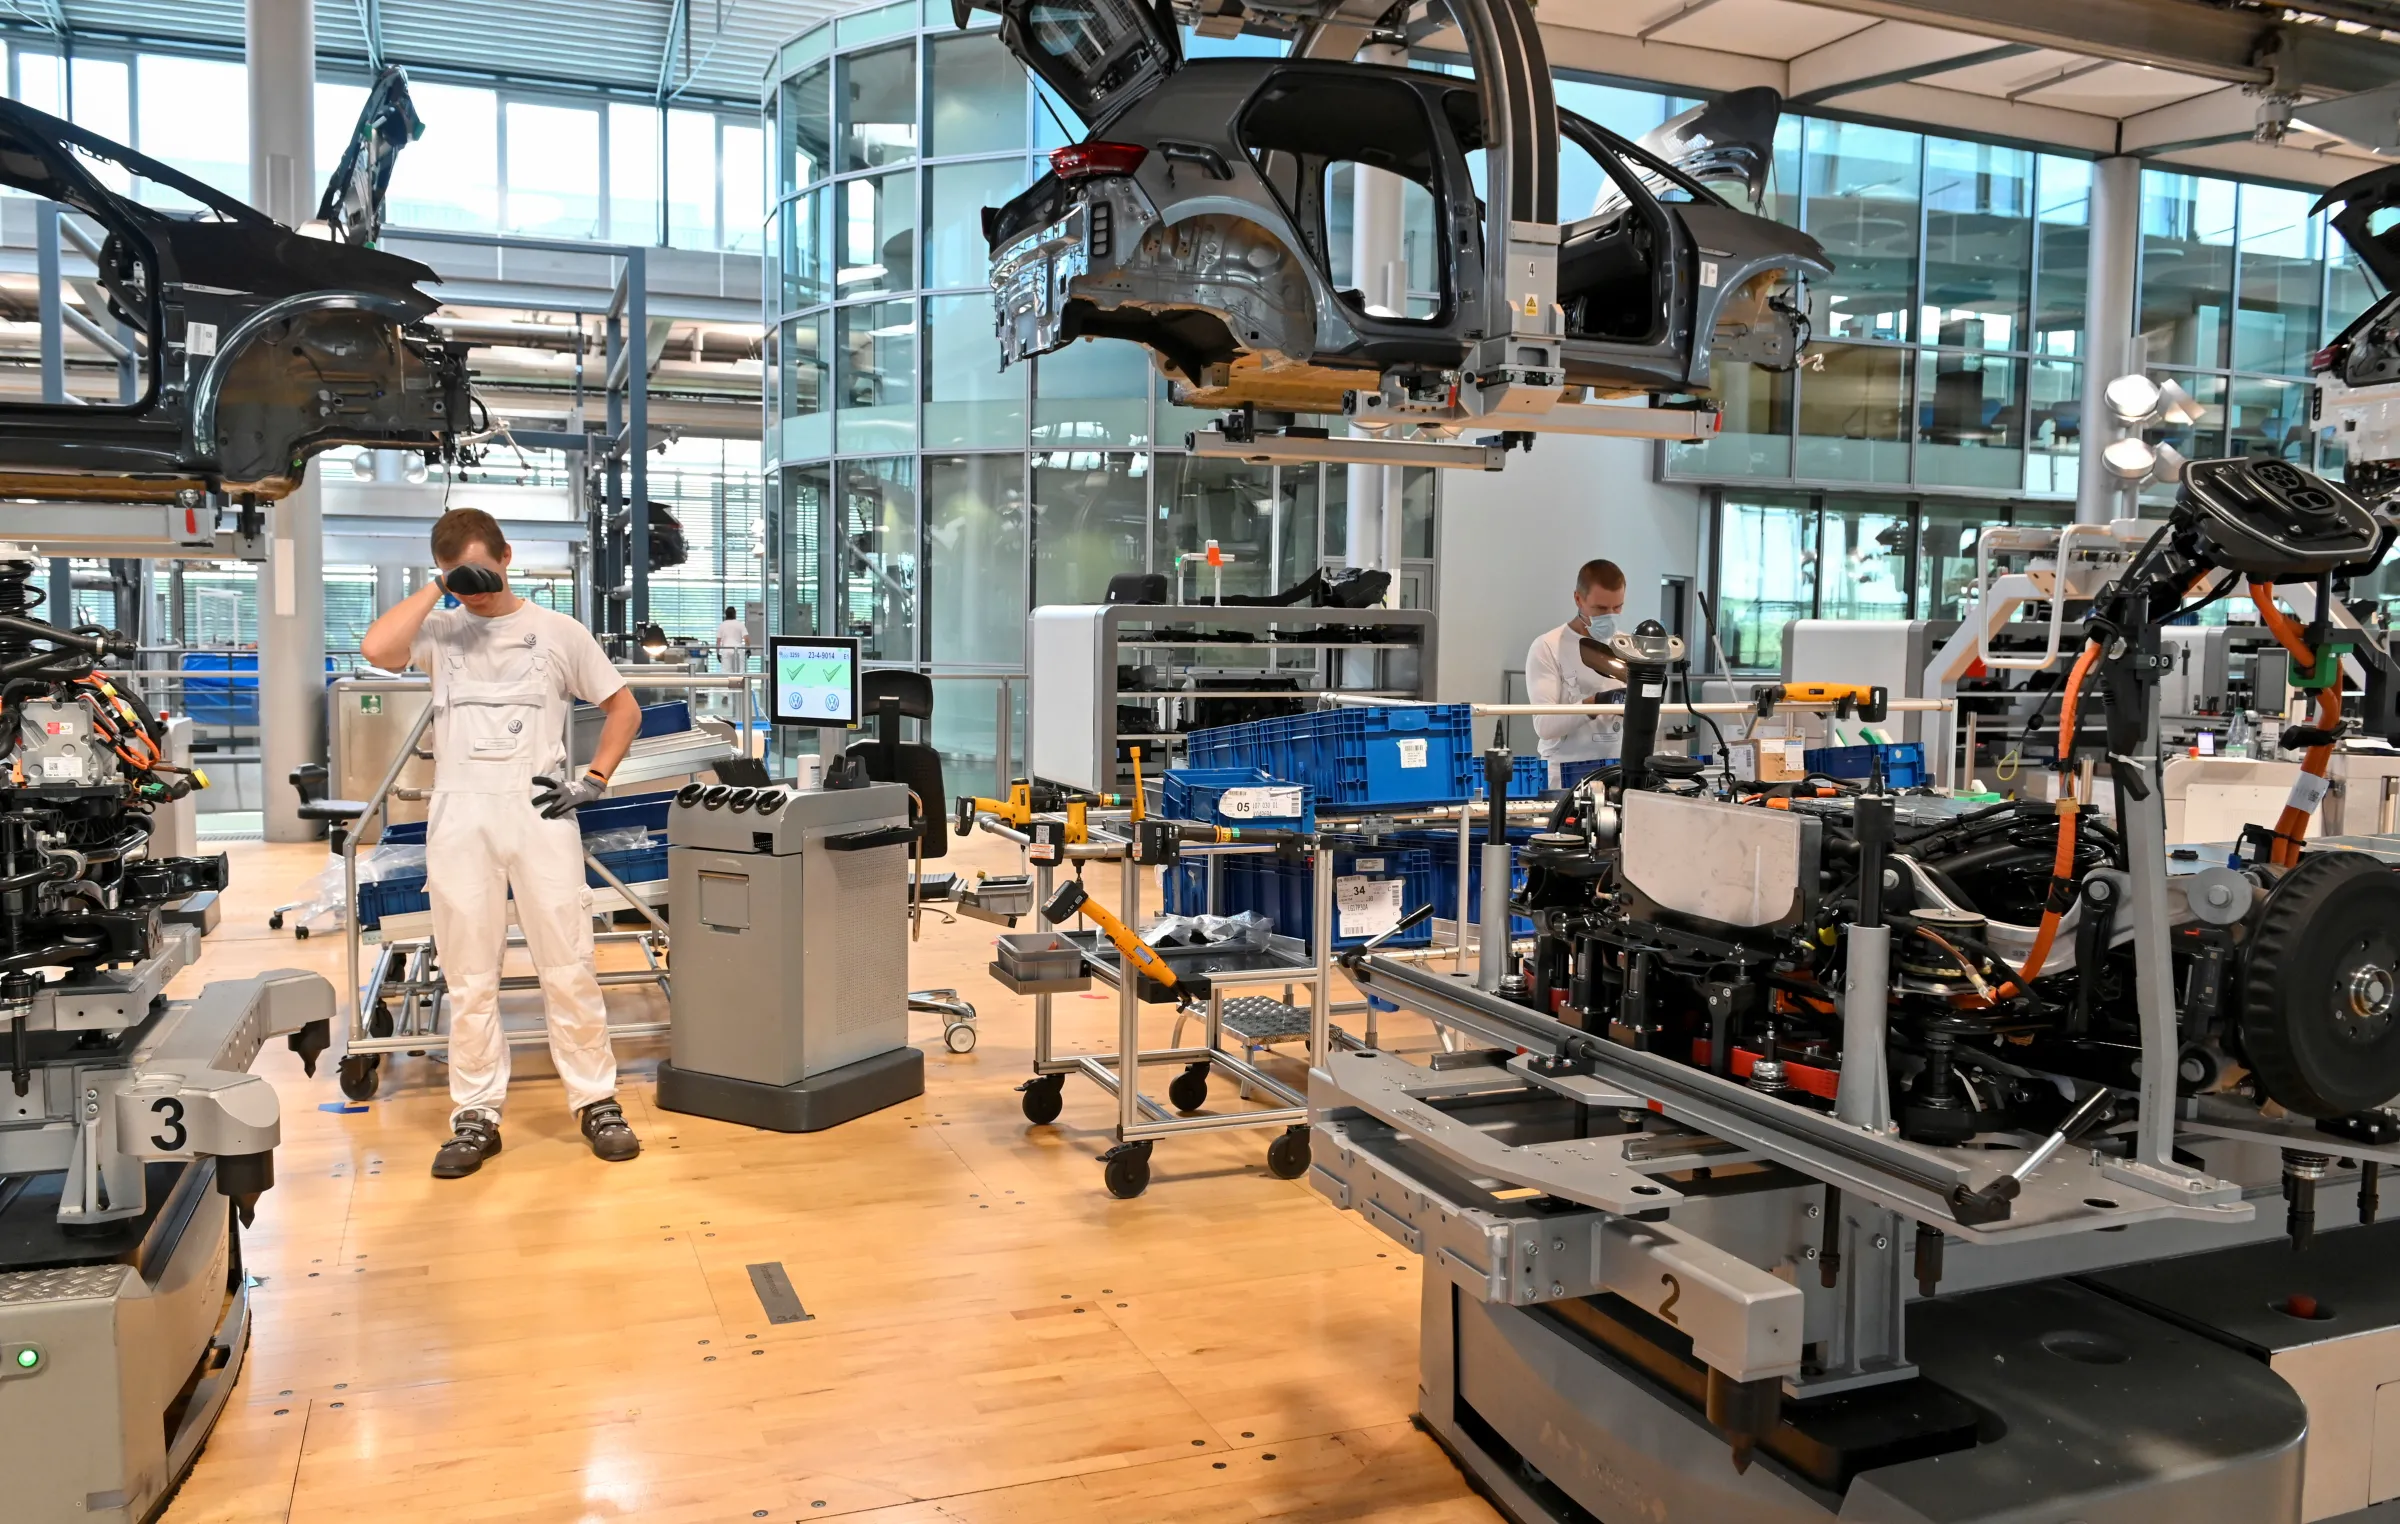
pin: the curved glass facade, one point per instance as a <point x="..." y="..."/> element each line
<point x="927" y="498"/>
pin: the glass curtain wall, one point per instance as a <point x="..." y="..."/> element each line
<point x="1949" y="335"/>
<point x="1949" y="339"/>
<point x="2239" y="286"/>
<point x="1780" y="556"/>
<point x="923" y="498"/>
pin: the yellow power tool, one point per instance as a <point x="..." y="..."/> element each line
<point x="1865" y="700"/>
<point x="1073" y="900"/>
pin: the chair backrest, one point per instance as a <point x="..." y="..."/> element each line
<point x="308" y="780"/>
<point x="919" y="767"/>
<point x="914" y="690"/>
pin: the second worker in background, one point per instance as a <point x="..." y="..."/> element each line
<point x="1576" y="746"/>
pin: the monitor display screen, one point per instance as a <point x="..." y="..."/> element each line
<point x="813" y="680"/>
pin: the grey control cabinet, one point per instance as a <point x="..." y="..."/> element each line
<point x="789" y="914"/>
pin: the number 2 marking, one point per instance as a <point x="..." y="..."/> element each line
<point x="1666" y="1309"/>
<point x="176" y="1134"/>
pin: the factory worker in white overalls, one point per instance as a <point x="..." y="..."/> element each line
<point x="1576" y="746"/>
<point x="504" y="672"/>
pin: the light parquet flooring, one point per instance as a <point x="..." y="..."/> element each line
<point x="994" y="1339"/>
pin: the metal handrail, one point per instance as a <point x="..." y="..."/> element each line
<point x="380" y="800"/>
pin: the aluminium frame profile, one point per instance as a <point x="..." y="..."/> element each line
<point x="1139" y="1117"/>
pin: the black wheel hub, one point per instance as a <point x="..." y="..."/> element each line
<point x="2320" y="991"/>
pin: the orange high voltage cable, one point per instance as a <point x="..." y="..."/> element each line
<point x="2291" y="827"/>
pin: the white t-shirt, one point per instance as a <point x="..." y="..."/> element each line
<point x="1555" y="674"/>
<point x="493" y="650"/>
<point x="732" y="635"/>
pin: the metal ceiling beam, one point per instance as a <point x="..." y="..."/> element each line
<point x="1888" y="53"/>
<point x="666" y="54"/>
<point x="2181" y="35"/>
<point x="370" y="27"/>
<point x="1683" y="12"/>
<point x="2059" y="77"/>
<point x="2220" y="116"/>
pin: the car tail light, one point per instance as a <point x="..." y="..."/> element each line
<point x="2325" y="359"/>
<point x="1083" y="161"/>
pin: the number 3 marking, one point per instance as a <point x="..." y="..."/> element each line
<point x="1666" y="1309"/>
<point x="176" y="1134"/>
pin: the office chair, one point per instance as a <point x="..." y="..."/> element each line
<point x="889" y="697"/>
<point x="309" y="781"/>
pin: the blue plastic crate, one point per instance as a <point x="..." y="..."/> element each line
<point x="1285" y="892"/>
<point x="648" y="811"/>
<point x="1903" y="764"/>
<point x="1443" y="846"/>
<point x="403" y="893"/>
<point x="1184" y="887"/>
<point x="1401" y="754"/>
<point x="1528" y="776"/>
<point x="1198" y="793"/>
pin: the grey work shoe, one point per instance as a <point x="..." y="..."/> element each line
<point x="604" y="1128"/>
<point x="474" y="1138"/>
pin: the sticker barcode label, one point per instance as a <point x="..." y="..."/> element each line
<point x="2308" y="791"/>
<point x="1412" y="753"/>
<point x="1260" y="803"/>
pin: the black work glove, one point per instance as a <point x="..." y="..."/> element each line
<point x="558" y="798"/>
<point x="466" y="581"/>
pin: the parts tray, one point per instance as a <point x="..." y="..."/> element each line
<point x="1194" y="965"/>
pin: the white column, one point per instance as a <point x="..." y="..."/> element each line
<point x="282" y="40"/>
<point x="2110" y="348"/>
<point x="1379" y="269"/>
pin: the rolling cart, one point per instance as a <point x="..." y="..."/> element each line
<point x="1141" y="1118"/>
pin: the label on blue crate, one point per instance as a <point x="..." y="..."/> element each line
<point x="1412" y="754"/>
<point x="1366" y="907"/>
<point x="1283" y="803"/>
<point x="1369" y="865"/>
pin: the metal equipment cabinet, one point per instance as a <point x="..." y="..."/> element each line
<point x="1074" y="654"/>
<point x="791" y="984"/>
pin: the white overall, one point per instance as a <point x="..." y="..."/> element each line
<point x="483" y="837"/>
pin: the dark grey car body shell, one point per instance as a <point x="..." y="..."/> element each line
<point x="1204" y="262"/>
<point x="262" y="347"/>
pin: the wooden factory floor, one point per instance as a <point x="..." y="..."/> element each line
<point x="994" y="1338"/>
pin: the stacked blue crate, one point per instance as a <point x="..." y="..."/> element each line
<point x="1285" y="892"/>
<point x="1358" y="757"/>
<point x="1903" y="764"/>
<point x="1443" y="846"/>
<point x="405" y="892"/>
<point x="1198" y="793"/>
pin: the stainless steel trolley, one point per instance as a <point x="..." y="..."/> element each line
<point x="1141" y="1118"/>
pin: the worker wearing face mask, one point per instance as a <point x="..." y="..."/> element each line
<point x="503" y="818"/>
<point x="1555" y="673"/>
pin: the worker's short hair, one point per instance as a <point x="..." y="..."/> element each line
<point x="729" y="611"/>
<point x="1600" y="574"/>
<point x="454" y="531"/>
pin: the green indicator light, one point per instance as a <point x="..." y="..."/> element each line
<point x="27" y="1359"/>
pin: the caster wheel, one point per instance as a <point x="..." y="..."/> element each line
<point x="275" y="921"/>
<point x="380" y="1023"/>
<point x="959" y="1039"/>
<point x="1126" y="1168"/>
<point x="300" y="933"/>
<point x="1045" y="1097"/>
<point x="1188" y="1091"/>
<point x="362" y="1076"/>
<point x="1287" y="1156"/>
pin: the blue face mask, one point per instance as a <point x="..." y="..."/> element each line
<point x="1603" y="626"/>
